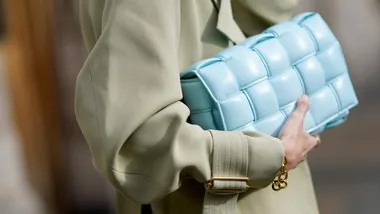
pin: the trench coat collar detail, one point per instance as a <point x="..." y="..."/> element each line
<point x="226" y="23"/>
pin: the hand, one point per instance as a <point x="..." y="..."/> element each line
<point x="296" y="141"/>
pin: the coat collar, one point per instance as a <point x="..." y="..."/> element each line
<point x="226" y="23"/>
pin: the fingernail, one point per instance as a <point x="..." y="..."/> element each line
<point x="304" y="97"/>
<point x="304" y="101"/>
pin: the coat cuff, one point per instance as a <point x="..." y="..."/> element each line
<point x="266" y="155"/>
<point x="246" y="154"/>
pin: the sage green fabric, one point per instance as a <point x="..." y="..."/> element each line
<point x="230" y="159"/>
<point x="128" y="107"/>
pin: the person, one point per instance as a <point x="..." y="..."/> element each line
<point x="128" y="106"/>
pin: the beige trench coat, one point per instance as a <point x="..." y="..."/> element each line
<point x="128" y="104"/>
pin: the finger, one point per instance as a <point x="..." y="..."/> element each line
<point x="303" y="105"/>
<point x="318" y="138"/>
<point x="314" y="142"/>
<point x="295" y="120"/>
<point x="297" y="116"/>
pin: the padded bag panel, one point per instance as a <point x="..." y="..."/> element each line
<point x="255" y="85"/>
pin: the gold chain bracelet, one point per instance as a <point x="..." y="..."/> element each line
<point x="280" y="182"/>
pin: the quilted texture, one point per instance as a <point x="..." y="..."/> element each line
<point x="255" y="85"/>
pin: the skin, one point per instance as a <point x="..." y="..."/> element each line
<point x="297" y="143"/>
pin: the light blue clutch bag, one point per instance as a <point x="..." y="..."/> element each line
<point x="255" y="85"/>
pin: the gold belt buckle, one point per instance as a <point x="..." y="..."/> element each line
<point x="210" y="185"/>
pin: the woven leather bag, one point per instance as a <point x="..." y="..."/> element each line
<point x="255" y="85"/>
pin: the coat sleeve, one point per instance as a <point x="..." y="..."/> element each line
<point x="127" y="103"/>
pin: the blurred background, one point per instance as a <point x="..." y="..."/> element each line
<point x="45" y="165"/>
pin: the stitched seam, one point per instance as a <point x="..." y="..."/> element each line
<point x="298" y="73"/>
<point x="234" y="75"/>
<point x="263" y="61"/>
<point x="202" y="111"/>
<point x="218" y="157"/>
<point x="217" y="103"/>
<point x="243" y="156"/>
<point x="229" y="168"/>
<point x="275" y="34"/>
<point x="284" y="106"/>
<point x="335" y="96"/>
<point x="212" y="112"/>
<point x="255" y="82"/>
<point x="283" y="113"/>
<point x="314" y="128"/>
<point x="304" y="58"/>
<point x="251" y="105"/>
<point x="312" y="36"/>
<point x="246" y="154"/>
<point x="222" y="153"/>
<point x="300" y="78"/>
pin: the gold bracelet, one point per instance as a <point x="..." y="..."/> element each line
<point x="280" y="182"/>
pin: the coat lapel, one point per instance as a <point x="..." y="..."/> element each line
<point x="226" y="23"/>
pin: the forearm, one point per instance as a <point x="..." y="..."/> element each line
<point x="128" y="107"/>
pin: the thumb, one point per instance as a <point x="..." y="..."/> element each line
<point x="295" y="119"/>
<point x="298" y="115"/>
<point x="303" y="106"/>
